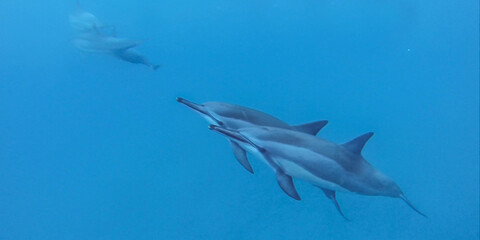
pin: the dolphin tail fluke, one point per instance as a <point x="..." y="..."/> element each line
<point x="411" y="205"/>
<point x="332" y="196"/>
<point x="311" y="128"/>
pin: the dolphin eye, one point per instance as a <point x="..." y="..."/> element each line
<point x="220" y="123"/>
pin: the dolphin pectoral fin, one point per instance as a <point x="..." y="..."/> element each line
<point x="241" y="156"/>
<point x="286" y="183"/>
<point x="411" y="205"/>
<point x="332" y="195"/>
<point x="311" y="128"/>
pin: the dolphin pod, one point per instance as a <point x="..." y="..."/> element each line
<point x="295" y="152"/>
<point x="92" y="36"/>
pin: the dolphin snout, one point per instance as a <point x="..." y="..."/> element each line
<point x="227" y="132"/>
<point x="200" y="108"/>
<point x="194" y="106"/>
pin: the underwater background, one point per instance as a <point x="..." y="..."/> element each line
<point x="95" y="148"/>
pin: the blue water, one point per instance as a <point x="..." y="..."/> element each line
<point x="95" y="148"/>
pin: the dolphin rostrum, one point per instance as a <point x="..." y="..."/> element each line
<point x="235" y="117"/>
<point x="326" y="165"/>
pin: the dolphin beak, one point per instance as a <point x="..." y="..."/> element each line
<point x="197" y="107"/>
<point x="234" y="135"/>
<point x="411" y="205"/>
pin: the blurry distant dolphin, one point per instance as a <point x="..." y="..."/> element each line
<point x="83" y="21"/>
<point x="133" y="56"/>
<point x="118" y="47"/>
<point x="96" y="43"/>
<point x="90" y="38"/>
<point x="235" y="117"/>
<point x="327" y="165"/>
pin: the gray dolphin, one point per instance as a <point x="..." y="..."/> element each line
<point x="326" y="165"/>
<point x="133" y="56"/>
<point x="235" y="117"/>
<point x="120" y="48"/>
<point x="97" y="43"/>
<point x="91" y="39"/>
<point x="86" y="22"/>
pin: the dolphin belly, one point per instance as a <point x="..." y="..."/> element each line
<point x="297" y="171"/>
<point x="310" y="166"/>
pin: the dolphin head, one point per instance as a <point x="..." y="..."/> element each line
<point x="201" y="109"/>
<point x="236" y="135"/>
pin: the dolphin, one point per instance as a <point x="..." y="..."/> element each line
<point x="120" y="48"/>
<point x="86" y="22"/>
<point x="235" y="117"/>
<point x="96" y="43"/>
<point x="89" y="38"/>
<point x="326" y="165"/>
<point x="133" y="56"/>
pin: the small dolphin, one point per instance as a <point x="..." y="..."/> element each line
<point x="326" y="165"/>
<point x="133" y="56"/>
<point x="96" y="43"/>
<point x="120" y="48"/>
<point x="236" y="117"/>
<point x="86" y="22"/>
<point x="91" y="39"/>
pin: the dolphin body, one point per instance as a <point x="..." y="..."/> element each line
<point x="91" y="39"/>
<point x="133" y="56"/>
<point x="235" y="117"/>
<point x="96" y="43"/>
<point x="120" y="48"/>
<point x="86" y="22"/>
<point x="326" y="165"/>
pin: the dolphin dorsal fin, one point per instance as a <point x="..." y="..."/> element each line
<point x="356" y="145"/>
<point x="311" y="128"/>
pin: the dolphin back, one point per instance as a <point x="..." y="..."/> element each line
<point x="241" y="117"/>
